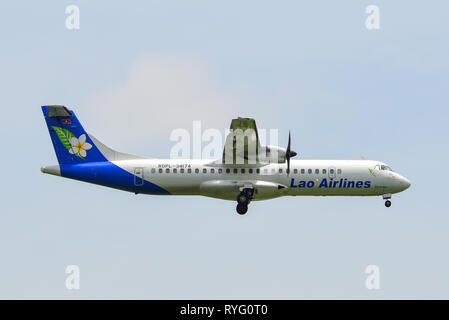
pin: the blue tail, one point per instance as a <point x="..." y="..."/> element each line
<point x="71" y="142"/>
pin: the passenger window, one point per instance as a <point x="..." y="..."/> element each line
<point x="182" y="170"/>
<point x="265" y="170"/>
<point x="295" y="171"/>
<point x="309" y="171"/>
<point x="303" y="171"/>
<point x="204" y="170"/>
<point x="220" y="170"/>
<point x="331" y="171"/>
<point x="339" y="171"/>
<point x="153" y="170"/>
<point x="167" y="170"/>
<point x="250" y="170"/>
<point x="317" y="171"/>
<point x="324" y="171"/>
<point x="243" y="170"/>
<point x="280" y="170"/>
<point x="235" y="170"/>
<point x="197" y="170"/>
<point x="189" y="170"/>
<point x="228" y="170"/>
<point x="273" y="170"/>
<point x="175" y="170"/>
<point x="160" y="170"/>
<point x="257" y="170"/>
<point x="212" y="170"/>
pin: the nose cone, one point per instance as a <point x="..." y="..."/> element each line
<point x="405" y="183"/>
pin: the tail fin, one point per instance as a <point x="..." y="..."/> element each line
<point x="71" y="142"/>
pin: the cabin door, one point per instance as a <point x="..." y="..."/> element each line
<point x="138" y="176"/>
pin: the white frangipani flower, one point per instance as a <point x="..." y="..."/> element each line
<point x="79" y="146"/>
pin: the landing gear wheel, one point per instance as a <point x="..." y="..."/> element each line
<point x="388" y="203"/>
<point x="243" y="199"/>
<point x="242" y="208"/>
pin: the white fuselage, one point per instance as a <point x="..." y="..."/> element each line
<point x="306" y="177"/>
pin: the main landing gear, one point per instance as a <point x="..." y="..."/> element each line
<point x="387" y="197"/>
<point x="243" y="199"/>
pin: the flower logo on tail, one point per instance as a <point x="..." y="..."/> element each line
<point x="79" y="146"/>
<point x="75" y="146"/>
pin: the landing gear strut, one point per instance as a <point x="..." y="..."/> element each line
<point x="387" y="197"/>
<point x="243" y="199"/>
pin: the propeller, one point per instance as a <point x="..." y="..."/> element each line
<point x="289" y="153"/>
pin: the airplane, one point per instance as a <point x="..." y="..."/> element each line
<point x="247" y="171"/>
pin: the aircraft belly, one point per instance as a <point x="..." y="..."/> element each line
<point x="229" y="189"/>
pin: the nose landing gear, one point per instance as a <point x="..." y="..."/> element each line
<point x="387" y="197"/>
<point x="243" y="199"/>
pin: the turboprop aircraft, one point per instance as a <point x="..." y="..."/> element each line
<point x="247" y="171"/>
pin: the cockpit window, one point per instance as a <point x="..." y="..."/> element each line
<point x="383" y="167"/>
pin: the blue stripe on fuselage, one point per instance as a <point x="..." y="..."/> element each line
<point x="107" y="174"/>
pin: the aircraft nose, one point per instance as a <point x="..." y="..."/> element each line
<point x="405" y="183"/>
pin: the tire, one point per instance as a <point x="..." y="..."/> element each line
<point x="242" y="208"/>
<point x="388" y="203"/>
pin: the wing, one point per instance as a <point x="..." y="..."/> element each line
<point x="242" y="143"/>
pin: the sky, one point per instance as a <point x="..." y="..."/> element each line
<point x="134" y="71"/>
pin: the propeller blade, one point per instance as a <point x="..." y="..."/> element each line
<point x="287" y="155"/>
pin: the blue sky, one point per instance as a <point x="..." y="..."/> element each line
<point x="135" y="71"/>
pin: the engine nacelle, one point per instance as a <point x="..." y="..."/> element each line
<point x="272" y="154"/>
